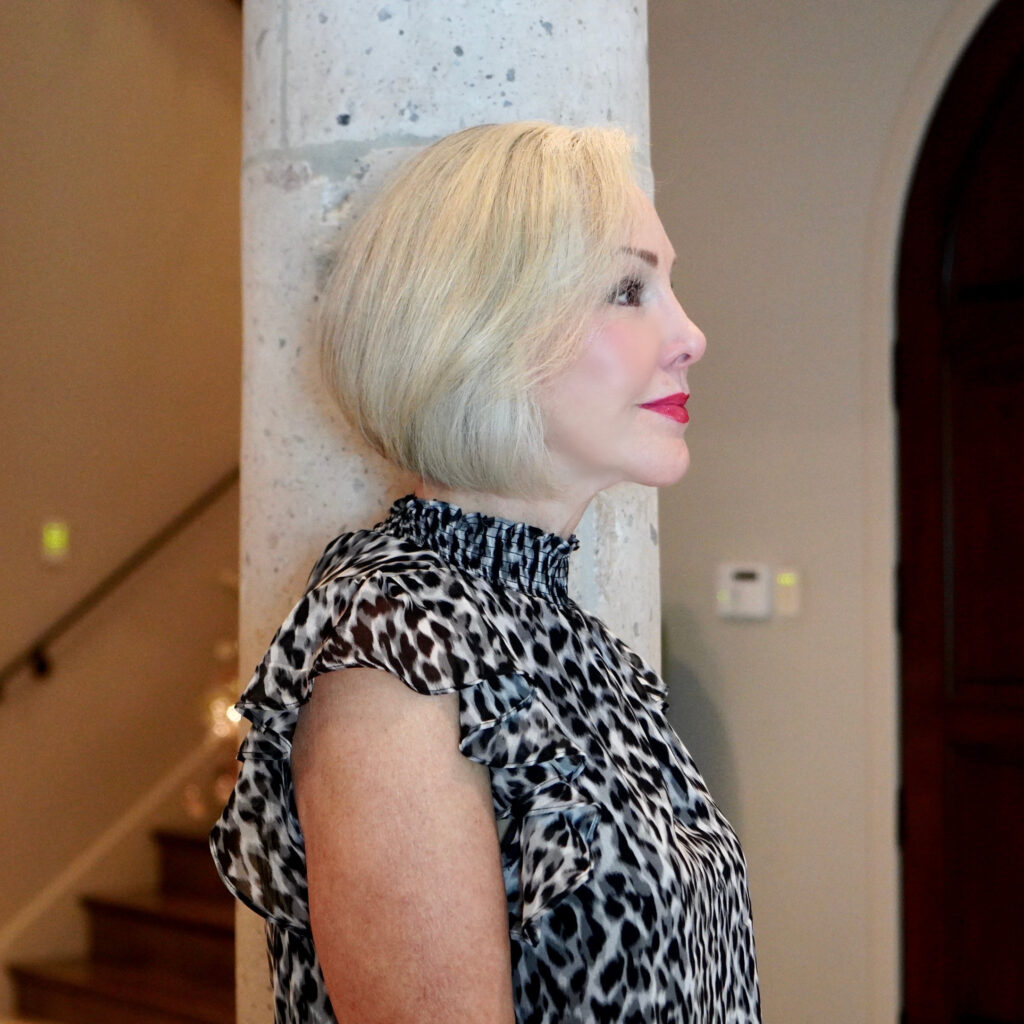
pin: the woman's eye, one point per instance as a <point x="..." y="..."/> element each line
<point x="627" y="292"/>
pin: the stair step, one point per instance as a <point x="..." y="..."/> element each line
<point x="81" y="992"/>
<point x="186" y="865"/>
<point x="158" y="958"/>
<point x="189" y="937"/>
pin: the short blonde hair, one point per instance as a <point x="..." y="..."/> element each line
<point x="467" y="283"/>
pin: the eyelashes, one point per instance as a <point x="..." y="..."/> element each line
<point x="630" y="291"/>
<point x="627" y="292"/>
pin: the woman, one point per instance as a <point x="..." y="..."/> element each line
<point x="460" y="799"/>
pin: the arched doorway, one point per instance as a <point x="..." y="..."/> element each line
<point x="960" y="381"/>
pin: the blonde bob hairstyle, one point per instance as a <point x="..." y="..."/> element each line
<point x="468" y="283"/>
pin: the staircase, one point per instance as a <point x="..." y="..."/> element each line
<point x="158" y="958"/>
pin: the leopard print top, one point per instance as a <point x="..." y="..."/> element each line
<point x="627" y="892"/>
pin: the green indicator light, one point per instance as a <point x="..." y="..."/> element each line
<point x="786" y="579"/>
<point x="56" y="539"/>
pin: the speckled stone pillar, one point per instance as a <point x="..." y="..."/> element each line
<point x="336" y="93"/>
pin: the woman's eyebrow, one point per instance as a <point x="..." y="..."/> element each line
<point x="644" y="254"/>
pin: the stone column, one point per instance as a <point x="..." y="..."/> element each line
<point x="336" y="92"/>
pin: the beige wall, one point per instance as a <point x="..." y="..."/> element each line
<point x="783" y="137"/>
<point x="119" y="384"/>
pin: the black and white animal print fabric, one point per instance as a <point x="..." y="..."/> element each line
<point x="627" y="892"/>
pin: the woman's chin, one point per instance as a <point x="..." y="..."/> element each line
<point x="665" y="471"/>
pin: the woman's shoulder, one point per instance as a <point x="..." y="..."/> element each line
<point x="379" y="601"/>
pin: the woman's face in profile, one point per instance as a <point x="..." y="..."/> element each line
<point x="618" y="413"/>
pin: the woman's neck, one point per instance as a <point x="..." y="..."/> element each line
<point x="559" y="514"/>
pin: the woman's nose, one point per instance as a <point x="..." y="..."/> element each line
<point x="687" y="342"/>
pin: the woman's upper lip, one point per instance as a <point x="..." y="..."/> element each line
<point x="679" y="398"/>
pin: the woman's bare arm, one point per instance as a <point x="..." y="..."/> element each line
<point x="406" y="897"/>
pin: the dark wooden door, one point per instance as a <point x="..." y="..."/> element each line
<point x="960" y="383"/>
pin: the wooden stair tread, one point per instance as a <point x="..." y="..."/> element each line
<point x="142" y="987"/>
<point x="163" y="957"/>
<point x="218" y="915"/>
<point x="188" y="836"/>
<point x="186" y="865"/>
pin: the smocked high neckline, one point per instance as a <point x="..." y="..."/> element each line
<point x="505" y="552"/>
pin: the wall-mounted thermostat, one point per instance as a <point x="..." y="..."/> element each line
<point x="743" y="590"/>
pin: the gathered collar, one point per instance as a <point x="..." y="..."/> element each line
<point x="502" y="551"/>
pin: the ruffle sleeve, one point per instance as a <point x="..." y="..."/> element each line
<point x="427" y="629"/>
<point x="534" y="767"/>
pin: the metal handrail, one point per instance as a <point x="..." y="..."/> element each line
<point x="34" y="655"/>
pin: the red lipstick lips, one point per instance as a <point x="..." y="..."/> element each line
<point x="672" y="406"/>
